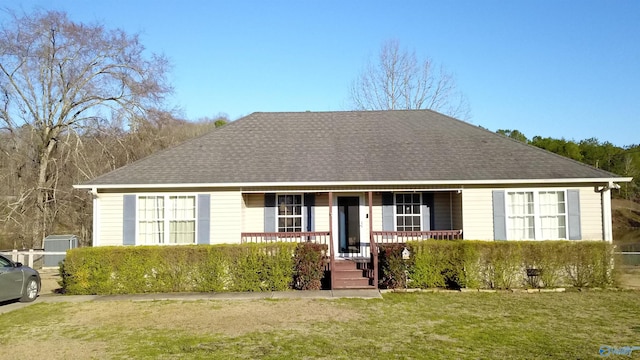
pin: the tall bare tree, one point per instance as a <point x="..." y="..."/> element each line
<point x="397" y="80"/>
<point x="59" y="78"/>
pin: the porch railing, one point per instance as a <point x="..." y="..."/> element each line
<point x="385" y="237"/>
<point x="318" y="237"/>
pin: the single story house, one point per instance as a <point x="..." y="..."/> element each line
<point x="350" y="180"/>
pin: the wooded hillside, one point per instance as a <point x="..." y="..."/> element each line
<point x="624" y="161"/>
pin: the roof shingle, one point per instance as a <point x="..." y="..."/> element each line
<point x="358" y="146"/>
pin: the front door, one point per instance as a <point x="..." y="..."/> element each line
<point x="348" y="224"/>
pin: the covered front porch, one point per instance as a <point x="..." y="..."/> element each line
<point x="353" y="224"/>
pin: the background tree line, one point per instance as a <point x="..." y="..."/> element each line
<point x="77" y="158"/>
<point x="623" y="161"/>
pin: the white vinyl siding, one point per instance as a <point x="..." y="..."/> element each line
<point x="321" y="212"/>
<point x="253" y="213"/>
<point x="110" y="226"/>
<point x="591" y="214"/>
<point x="477" y="214"/>
<point x="377" y="211"/>
<point x="226" y="217"/>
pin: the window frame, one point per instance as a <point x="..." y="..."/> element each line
<point x="301" y="216"/>
<point x="537" y="213"/>
<point x="395" y="210"/>
<point x="167" y="221"/>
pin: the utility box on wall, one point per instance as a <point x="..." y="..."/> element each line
<point x="58" y="243"/>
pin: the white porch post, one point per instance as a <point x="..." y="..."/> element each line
<point x="95" y="231"/>
<point x="607" y="231"/>
<point x="332" y="260"/>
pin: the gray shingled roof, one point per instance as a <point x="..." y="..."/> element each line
<point x="303" y="147"/>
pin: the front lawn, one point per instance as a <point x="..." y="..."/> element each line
<point x="572" y="325"/>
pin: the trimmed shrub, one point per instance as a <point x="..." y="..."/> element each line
<point x="589" y="266"/>
<point x="428" y="265"/>
<point x="392" y="269"/>
<point x="503" y="265"/>
<point x="547" y="260"/>
<point x="309" y="266"/>
<point x="142" y="269"/>
<point x="448" y="264"/>
<point x="498" y="264"/>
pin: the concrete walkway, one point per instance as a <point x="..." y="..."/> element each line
<point x="317" y="294"/>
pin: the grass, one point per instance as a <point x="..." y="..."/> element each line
<point x="570" y="325"/>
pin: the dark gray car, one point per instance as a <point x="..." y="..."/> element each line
<point x="18" y="281"/>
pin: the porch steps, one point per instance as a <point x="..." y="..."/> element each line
<point x="346" y="275"/>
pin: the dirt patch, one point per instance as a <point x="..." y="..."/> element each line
<point x="196" y="318"/>
<point x="58" y="348"/>
<point x="203" y="317"/>
<point x="626" y="213"/>
<point x="49" y="280"/>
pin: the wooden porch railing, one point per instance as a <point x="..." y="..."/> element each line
<point x="318" y="237"/>
<point x="385" y="237"/>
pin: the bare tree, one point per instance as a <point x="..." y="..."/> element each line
<point x="59" y="77"/>
<point x="398" y="80"/>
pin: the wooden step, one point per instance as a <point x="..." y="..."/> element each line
<point x="346" y="275"/>
<point x="344" y="265"/>
<point x="358" y="283"/>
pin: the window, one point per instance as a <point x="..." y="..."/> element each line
<point x="289" y="213"/>
<point x="521" y="216"/>
<point x="166" y="219"/>
<point x="408" y="212"/>
<point x="537" y="215"/>
<point x="553" y="215"/>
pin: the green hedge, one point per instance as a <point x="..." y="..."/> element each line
<point x="498" y="264"/>
<point x="198" y="268"/>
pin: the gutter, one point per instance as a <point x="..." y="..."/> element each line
<point x="455" y="183"/>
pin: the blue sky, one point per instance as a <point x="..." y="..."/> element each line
<point x="547" y="67"/>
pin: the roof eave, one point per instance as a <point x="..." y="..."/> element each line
<point x="357" y="183"/>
